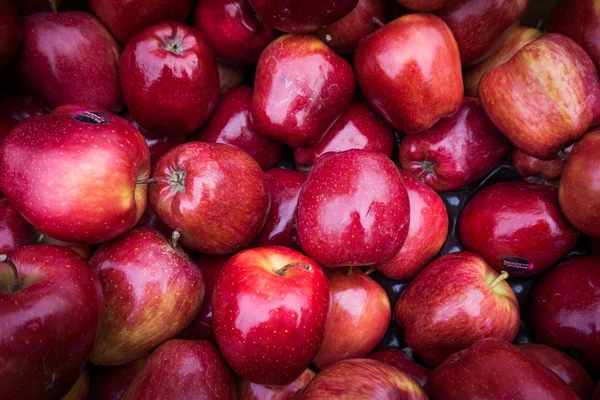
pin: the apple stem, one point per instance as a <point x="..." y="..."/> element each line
<point x="377" y="22"/>
<point x="146" y="181"/>
<point x="175" y="238"/>
<point x="349" y="272"/>
<point x="16" y="285"/>
<point x="41" y="238"/>
<point x="302" y="265"/>
<point x="500" y="278"/>
<point x="369" y="271"/>
<point x="53" y="6"/>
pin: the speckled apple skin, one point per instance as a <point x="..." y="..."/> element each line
<point x="70" y="57"/>
<point x="76" y="181"/>
<point x="269" y="324"/>
<point x="515" y="219"/>
<point x="353" y="209"/>
<point x="14" y="230"/>
<point x="301" y="87"/>
<point x="224" y="203"/>
<point x="11" y="31"/>
<point x="410" y="71"/>
<point x="560" y="76"/>
<point x="400" y="361"/>
<point x="252" y="391"/>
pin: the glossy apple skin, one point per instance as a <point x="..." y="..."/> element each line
<point x="70" y="57"/>
<point x="6" y="125"/>
<point x="478" y="25"/>
<point x="186" y="370"/>
<point x="361" y="378"/>
<point x="169" y="79"/>
<point x="510" y="42"/>
<point x="456" y="151"/>
<point x="58" y="309"/>
<point x="564" y="366"/>
<point x="232" y="124"/>
<point x="353" y="209"/>
<point x="424" y="5"/>
<point x="427" y="232"/>
<point x="109" y="383"/>
<point x="152" y="292"/>
<point x="280" y="228"/>
<point x="213" y="194"/>
<point x="359" y="127"/>
<point x="233" y="30"/>
<point x="14" y="230"/>
<point x="229" y="76"/>
<point x="11" y="31"/>
<point x="358" y="317"/>
<point x="62" y="159"/>
<point x="84" y="250"/>
<point x="563" y="304"/>
<point x="252" y="391"/>
<point x="301" y="87"/>
<point x="579" y="190"/>
<point x="343" y="35"/>
<point x="473" y="373"/>
<point x="269" y="310"/>
<point x="295" y="16"/>
<point x="20" y="106"/>
<point x="410" y="71"/>
<point x="125" y="18"/>
<point x="451" y="304"/>
<point x="538" y="171"/>
<point x="563" y="109"/>
<point x="400" y="361"/>
<point x="516" y="219"/>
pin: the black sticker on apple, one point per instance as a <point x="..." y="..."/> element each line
<point x="92" y="117"/>
<point x="517" y="264"/>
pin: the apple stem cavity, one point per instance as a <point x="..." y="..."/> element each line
<point x="177" y="180"/>
<point x="288" y="267"/>
<point x="146" y="181"/>
<point x="378" y="22"/>
<point x="175" y="239"/>
<point x="500" y="278"/>
<point x="174" y="46"/>
<point x="16" y="285"/>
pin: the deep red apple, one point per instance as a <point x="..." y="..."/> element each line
<point x="538" y="171"/>
<point x="229" y="76"/>
<point x="20" y="105"/>
<point x="301" y="87"/>
<point x="565" y="307"/>
<point x="70" y="57"/>
<point x="152" y="291"/>
<point x="564" y="366"/>
<point x="232" y="124"/>
<point x="169" y="78"/>
<point x="511" y="224"/>
<point x="84" y="250"/>
<point x="125" y="18"/>
<point x="84" y="166"/>
<point x="359" y="127"/>
<point x="183" y="369"/>
<point x="6" y="125"/>
<point x="27" y="7"/>
<point x="11" y="31"/>
<point x="344" y="34"/>
<point x="50" y="307"/>
<point x="109" y="383"/>
<point x="360" y="379"/>
<point x="579" y="191"/>
<point x="496" y="369"/>
<point x="409" y="70"/>
<point x="353" y="209"/>
<point x="427" y="232"/>
<point x="400" y="361"/>
<point x="14" y="230"/>
<point x="301" y="16"/>
<point x="213" y="194"/>
<point x="280" y="228"/>
<point x="269" y="310"/>
<point x="81" y="388"/>
<point x="455" y="301"/>
<point x="456" y="151"/>
<point x="424" y="5"/>
<point x="234" y="31"/>
<point x="252" y="391"/>
<point x="563" y="106"/>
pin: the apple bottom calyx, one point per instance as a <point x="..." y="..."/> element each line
<point x="304" y="266"/>
<point x="15" y="285"/>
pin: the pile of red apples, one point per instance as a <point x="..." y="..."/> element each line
<point x="299" y="199"/>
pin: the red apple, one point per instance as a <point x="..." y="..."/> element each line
<point x="427" y="232"/>
<point x="456" y="151"/>
<point x="81" y="389"/>
<point x="84" y="250"/>
<point x="538" y="171"/>
<point x="125" y="18"/>
<point x="20" y="105"/>
<point x="566" y="306"/>
<point x="252" y="391"/>
<point x="269" y="310"/>
<point x="360" y="379"/>
<point x="424" y="5"/>
<point x="563" y="106"/>
<point x="359" y="127"/>
<point x="280" y="228"/>
<point x="234" y="31"/>
<point x="353" y="209"/>
<point x="511" y="224"/>
<point x="6" y="125"/>
<point x="564" y="366"/>
<point x="301" y="87"/>
<point x="455" y="301"/>
<point x="50" y="307"/>
<point x="27" y="7"/>
<point x="109" y="383"/>
<point x="496" y="369"/>
<point x="400" y="361"/>
<point x="213" y="194"/>
<point x="70" y="57"/>
<point x="232" y="124"/>
<point x="84" y="166"/>
<point x="10" y="31"/>
<point x="183" y="369"/>
<point x="229" y="76"/>
<point x="579" y="191"/>
<point x="409" y="70"/>
<point x="169" y="78"/>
